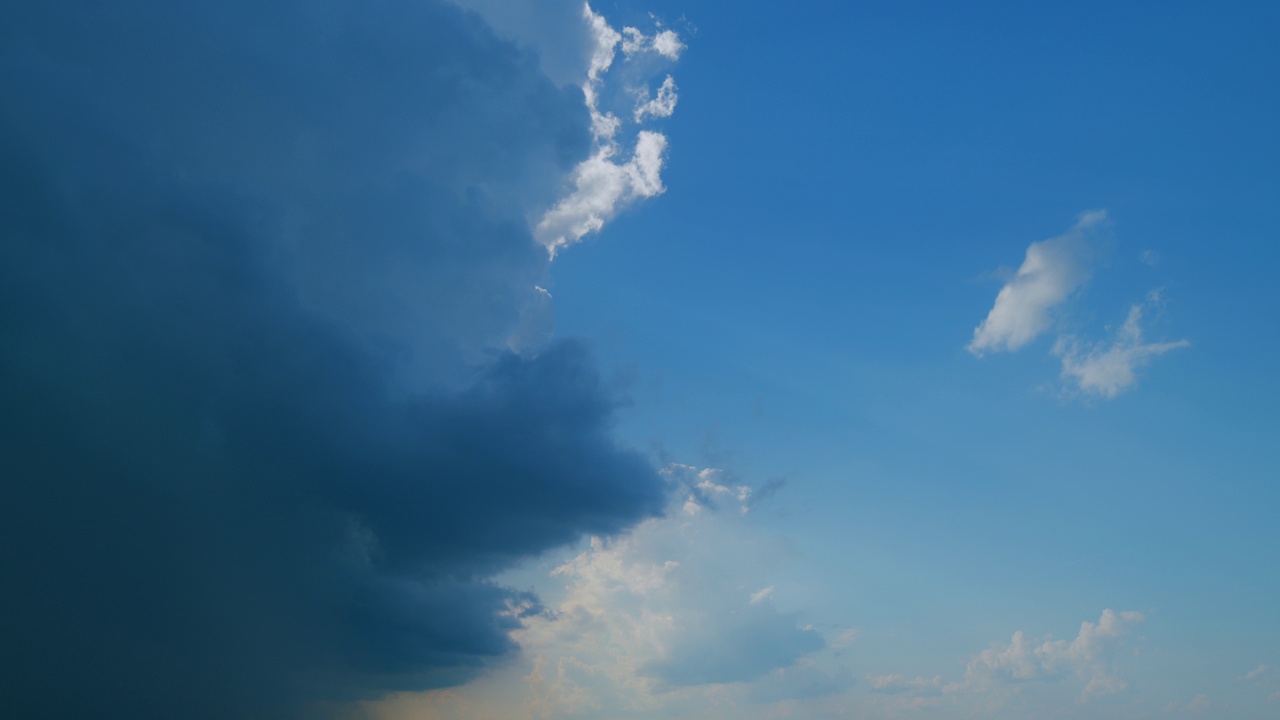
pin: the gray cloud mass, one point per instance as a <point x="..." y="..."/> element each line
<point x="262" y="445"/>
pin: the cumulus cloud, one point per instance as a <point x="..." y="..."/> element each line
<point x="265" y="440"/>
<point x="679" y="598"/>
<point x="1052" y="270"/>
<point x="1018" y="677"/>
<point x="1049" y="276"/>
<point x="1110" y="367"/>
<point x="657" y="623"/>
<point x="1089" y="657"/>
<point x="615" y="176"/>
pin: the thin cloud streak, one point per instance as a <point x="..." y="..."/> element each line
<point x="265" y="442"/>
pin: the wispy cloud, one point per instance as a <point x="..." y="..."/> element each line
<point x="670" y="620"/>
<point x="1052" y="271"/>
<point x="1265" y="678"/>
<point x="1108" y="368"/>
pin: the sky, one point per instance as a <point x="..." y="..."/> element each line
<point x="432" y="360"/>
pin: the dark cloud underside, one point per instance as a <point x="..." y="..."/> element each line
<point x="259" y="449"/>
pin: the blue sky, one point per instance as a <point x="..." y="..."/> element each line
<point x="677" y="359"/>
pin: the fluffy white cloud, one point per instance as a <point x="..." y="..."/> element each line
<point x="1108" y="368"/>
<point x="1052" y="271"/>
<point x="898" y="684"/>
<point x="611" y="179"/>
<point x="663" y="42"/>
<point x="1088" y="657"/>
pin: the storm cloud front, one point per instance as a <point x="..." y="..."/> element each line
<point x="276" y="392"/>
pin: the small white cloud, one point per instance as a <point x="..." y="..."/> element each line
<point x="662" y="105"/>
<point x="1108" y="368"/>
<point x="1150" y="258"/>
<point x="900" y="684"/>
<point x="761" y="595"/>
<point x="1198" y="703"/>
<point x="1052" y="270"/>
<point x="667" y="44"/>
<point x="664" y="42"/>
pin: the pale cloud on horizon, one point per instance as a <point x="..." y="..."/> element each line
<point x="1007" y="670"/>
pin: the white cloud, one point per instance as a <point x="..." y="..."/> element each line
<point x="1257" y="672"/>
<point x="1088" y="657"/>
<point x="662" y="105"/>
<point x="658" y="623"/>
<point x="645" y="615"/>
<point x="1026" y="306"/>
<point x="610" y="180"/>
<point x="1108" y="368"/>
<point x="1265" y="678"/>
<point x="1052" y="271"/>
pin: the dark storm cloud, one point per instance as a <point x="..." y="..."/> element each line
<point x="261" y="447"/>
